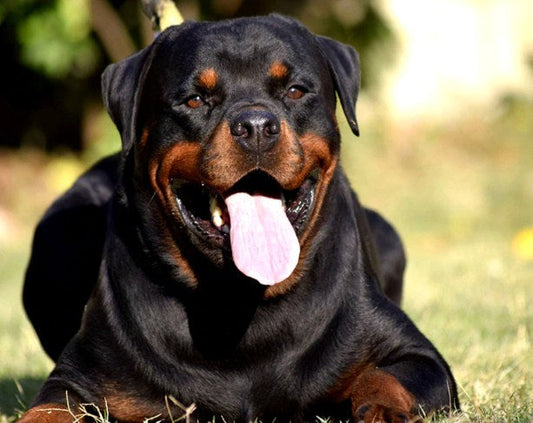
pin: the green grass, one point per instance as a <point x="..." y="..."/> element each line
<point x="459" y="194"/>
<point x="23" y="365"/>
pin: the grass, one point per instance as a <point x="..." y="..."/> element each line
<point x="460" y="194"/>
<point x="177" y="412"/>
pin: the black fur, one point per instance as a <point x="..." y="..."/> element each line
<point x="147" y="331"/>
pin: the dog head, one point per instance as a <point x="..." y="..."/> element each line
<point x="229" y="130"/>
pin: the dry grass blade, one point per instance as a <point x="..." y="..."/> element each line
<point x="187" y="410"/>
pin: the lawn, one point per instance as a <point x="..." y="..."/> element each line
<point x="460" y="194"/>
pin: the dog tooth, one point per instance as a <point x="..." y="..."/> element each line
<point x="283" y="201"/>
<point x="218" y="221"/>
<point x="216" y="213"/>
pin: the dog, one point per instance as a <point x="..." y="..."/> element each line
<point x="222" y="259"/>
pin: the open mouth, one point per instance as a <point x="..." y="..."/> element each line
<point x="205" y="210"/>
<point x="257" y="220"/>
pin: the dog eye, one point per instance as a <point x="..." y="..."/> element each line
<point x="295" y="92"/>
<point x="195" y="102"/>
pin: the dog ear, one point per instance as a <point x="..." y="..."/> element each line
<point x="344" y="66"/>
<point x="121" y="86"/>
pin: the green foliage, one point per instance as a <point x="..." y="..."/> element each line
<point x="56" y="40"/>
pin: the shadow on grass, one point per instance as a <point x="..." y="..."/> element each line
<point x="17" y="394"/>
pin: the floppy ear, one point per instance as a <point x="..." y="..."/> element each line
<point x="121" y="86"/>
<point x="344" y="67"/>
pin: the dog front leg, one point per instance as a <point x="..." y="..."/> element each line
<point x="48" y="413"/>
<point x="405" y="391"/>
<point x="377" y="396"/>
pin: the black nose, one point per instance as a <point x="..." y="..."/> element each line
<point x="256" y="130"/>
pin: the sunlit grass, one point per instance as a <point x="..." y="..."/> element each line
<point x="23" y="365"/>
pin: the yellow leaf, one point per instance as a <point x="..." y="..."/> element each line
<point x="523" y="244"/>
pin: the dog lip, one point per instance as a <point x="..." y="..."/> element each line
<point x="256" y="181"/>
<point x="300" y="202"/>
<point x="204" y="212"/>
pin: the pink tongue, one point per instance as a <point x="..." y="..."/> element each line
<point x="263" y="242"/>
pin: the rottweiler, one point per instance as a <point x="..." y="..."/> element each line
<point x="224" y="258"/>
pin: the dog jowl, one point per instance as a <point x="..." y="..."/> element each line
<point x="227" y="261"/>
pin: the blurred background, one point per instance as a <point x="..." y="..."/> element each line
<point x="446" y="153"/>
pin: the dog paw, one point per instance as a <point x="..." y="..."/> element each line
<point x="376" y="413"/>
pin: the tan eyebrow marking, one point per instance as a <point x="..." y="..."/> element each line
<point x="278" y="70"/>
<point x="208" y="78"/>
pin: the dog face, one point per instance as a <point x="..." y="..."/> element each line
<point x="230" y="128"/>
